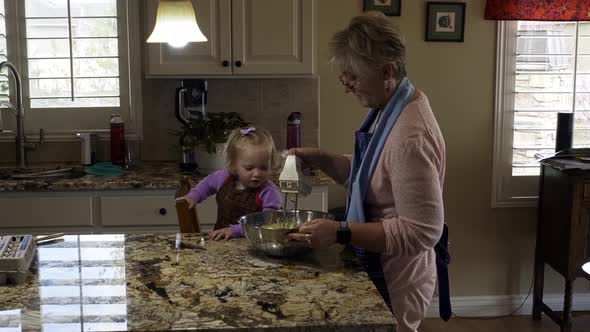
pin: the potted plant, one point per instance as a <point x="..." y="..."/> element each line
<point x="206" y="134"/>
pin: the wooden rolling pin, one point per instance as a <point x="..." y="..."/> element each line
<point x="188" y="219"/>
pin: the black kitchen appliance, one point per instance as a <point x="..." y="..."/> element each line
<point x="191" y="98"/>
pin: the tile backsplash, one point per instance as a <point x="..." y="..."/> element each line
<point x="263" y="102"/>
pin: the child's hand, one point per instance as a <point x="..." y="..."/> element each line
<point x="191" y="203"/>
<point x="220" y="234"/>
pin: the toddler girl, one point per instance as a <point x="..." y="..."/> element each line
<point x="243" y="186"/>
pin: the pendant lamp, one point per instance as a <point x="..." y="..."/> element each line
<point x="586" y="268"/>
<point x="176" y="24"/>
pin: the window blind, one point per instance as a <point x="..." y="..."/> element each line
<point x="72" y="53"/>
<point x="552" y="75"/>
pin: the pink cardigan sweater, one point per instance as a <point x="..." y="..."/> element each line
<point x="405" y="193"/>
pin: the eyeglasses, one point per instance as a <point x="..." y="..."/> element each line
<point x="349" y="85"/>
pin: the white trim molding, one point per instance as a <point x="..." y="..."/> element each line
<point x="507" y="190"/>
<point x="491" y="306"/>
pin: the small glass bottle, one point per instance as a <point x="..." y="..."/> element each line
<point x="294" y="130"/>
<point x="117" y="140"/>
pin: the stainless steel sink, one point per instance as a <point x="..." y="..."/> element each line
<point x="45" y="174"/>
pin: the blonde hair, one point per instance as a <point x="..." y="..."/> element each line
<point x="368" y="43"/>
<point x="240" y="137"/>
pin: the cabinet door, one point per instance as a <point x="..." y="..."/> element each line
<point x="138" y="211"/>
<point x="317" y="200"/>
<point x="207" y="212"/>
<point x="151" y="211"/>
<point x="273" y="37"/>
<point x="23" y="212"/>
<point x="214" y="19"/>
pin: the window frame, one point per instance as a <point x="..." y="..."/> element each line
<point x="508" y="190"/>
<point x="61" y="124"/>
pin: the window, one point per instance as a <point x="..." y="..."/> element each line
<point x="542" y="68"/>
<point x="3" y="57"/>
<point x="73" y="57"/>
<point x="72" y="53"/>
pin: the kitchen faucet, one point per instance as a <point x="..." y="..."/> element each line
<point x="19" y="114"/>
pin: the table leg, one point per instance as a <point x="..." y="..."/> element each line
<point x="539" y="265"/>
<point x="567" y="306"/>
<point x="539" y="277"/>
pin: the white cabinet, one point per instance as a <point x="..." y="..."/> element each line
<point x="245" y="37"/>
<point x="42" y="211"/>
<point x="144" y="210"/>
<point x="137" y="211"/>
<point x="211" y="58"/>
<point x="273" y="37"/>
<point x="317" y="200"/>
<point x="112" y="211"/>
<point x="207" y="212"/>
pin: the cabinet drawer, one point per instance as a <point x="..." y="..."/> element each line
<point x="137" y="210"/>
<point x="46" y="211"/>
<point x="149" y="211"/>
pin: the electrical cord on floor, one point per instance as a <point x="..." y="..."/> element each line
<point x="500" y="316"/>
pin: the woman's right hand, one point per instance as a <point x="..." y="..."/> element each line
<point x="188" y="200"/>
<point x="307" y="155"/>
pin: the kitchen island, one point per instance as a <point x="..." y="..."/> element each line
<point x="158" y="282"/>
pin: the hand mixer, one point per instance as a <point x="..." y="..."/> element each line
<point x="292" y="181"/>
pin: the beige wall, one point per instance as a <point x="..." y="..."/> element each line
<point x="492" y="248"/>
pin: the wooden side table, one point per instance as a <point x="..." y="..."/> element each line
<point x="562" y="235"/>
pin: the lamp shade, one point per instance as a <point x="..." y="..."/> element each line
<point x="176" y="24"/>
<point x="586" y="268"/>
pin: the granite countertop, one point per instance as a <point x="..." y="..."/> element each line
<point x="150" y="176"/>
<point x="140" y="282"/>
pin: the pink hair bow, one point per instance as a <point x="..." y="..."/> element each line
<point x="246" y="131"/>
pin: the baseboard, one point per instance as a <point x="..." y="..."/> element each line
<point x="487" y="306"/>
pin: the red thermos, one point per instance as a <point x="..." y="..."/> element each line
<point x="294" y="130"/>
<point x="117" y="140"/>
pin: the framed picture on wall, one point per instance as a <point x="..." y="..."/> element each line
<point x="445" y="21"/>
<point x="387" y="7"/>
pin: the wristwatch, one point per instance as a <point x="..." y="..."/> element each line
<point x="343" y="234"/>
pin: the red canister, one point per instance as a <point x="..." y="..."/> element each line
<point x="117" y="140"/>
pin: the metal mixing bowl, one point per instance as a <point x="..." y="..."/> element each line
<point x="275" y="242"/>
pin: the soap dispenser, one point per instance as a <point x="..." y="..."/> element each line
<point x="88" y="148"/>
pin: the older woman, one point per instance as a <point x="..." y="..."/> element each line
<point x="395" y="176"/>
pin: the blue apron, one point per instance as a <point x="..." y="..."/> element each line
<point x="367" y="150"/>
<point x="370" y="261"/>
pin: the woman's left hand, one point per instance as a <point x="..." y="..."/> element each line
<point x="318" y="233"/>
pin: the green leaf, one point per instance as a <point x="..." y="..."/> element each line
<point x="208" y="130"/>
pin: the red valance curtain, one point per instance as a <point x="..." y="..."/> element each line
<point x="538" y="10"/>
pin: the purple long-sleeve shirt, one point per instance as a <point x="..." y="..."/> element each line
<point x="269" y="193"/>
